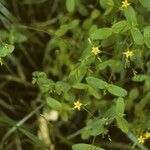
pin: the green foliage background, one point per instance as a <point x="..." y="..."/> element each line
<point x="47" y="64"/>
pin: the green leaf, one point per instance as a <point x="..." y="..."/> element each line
<point x="137" y="36"/>
<point x="116" y="65"/>
<point x="45" y="84"/>
<point x="91" y="90"/>
<point x="17" y="37"/>
<point x="96" y="83"/>
<point x="85" y="134"/>
<point x="73" y="24"/>
<point x="133" y="95"/>
<point x="107" y="5"/>
<point x="6" y="49"/>
<point x="94" y="92"/>
<point x="62" y="30"/>
<point x="64" y="112"/>
<point x="70" y="5"/>
<point x="104" y="64"/>
<point x="83" y="146"/>
<point x="130" y="15"/>
<point x="87" y="23"/>
<point x="145" y="3"/>
<point x="82" y="8"/>
<point x="101" y="34"/>
<point x="81" y="86"/>
<point x="87" y="60"/>
<point x="95" y="13"/>
<point x="139" y="78"/>
<point x="62" y="86"/>
<point x="121" y="26"/>
<point x="139" y="107"/>
<point x="116" y="90"/>
<point x="97" y="127"/>
<point x="64" y="115"/>
<point x="120" y="106"/>
<point x="109" y="41"/>
<point x="122" y="124"/>
<point x="147" y="84"/>
<point x="53" y="103"/>
<point x="147" y="36"/>
<point x="77" y="74"/>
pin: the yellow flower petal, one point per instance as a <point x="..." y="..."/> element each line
<point x="141" y="139"/>
<point x="95" y="50"/>
<point x="77" y="105"/>
<point x="128" y="54"/>
<point x="125" y="4"/>
<point x="147" y="135"/>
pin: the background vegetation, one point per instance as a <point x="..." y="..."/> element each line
<point x="74" y="74"/>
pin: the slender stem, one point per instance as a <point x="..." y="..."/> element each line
<point x="88" y="112"/>
<point x="20" y="123"/>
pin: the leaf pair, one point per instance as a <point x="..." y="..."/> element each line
<point x="121" y="122"/>
<point x="111" y="88"/>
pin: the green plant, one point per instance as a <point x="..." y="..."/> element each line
<point x="89" y="61"/>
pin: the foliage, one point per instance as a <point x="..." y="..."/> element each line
<point x="57" y="54"/>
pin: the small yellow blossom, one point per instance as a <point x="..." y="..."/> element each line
<point x="147" y="135"/>
<point x="128" y="54"/>
<point x="77" y="105"/>
<point x="125" y="4"/>
<point x="141" y="139"/>
<point x="95" y="50"/>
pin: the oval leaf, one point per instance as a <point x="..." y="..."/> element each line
<point x="122" y="124"/>
<point x="116" y="90"/>
<point x="53" y="103"/>
<point x="137" y="36"/>
<point x="147" y="36"/>
<point x="94" y="92"/>
<point x="100" y="34"/>
<point x="96" y="83"/>
<point x="62" y="86"/>
<point x="70" y="5"/>
<point x="121" y="26"/>
<point x="130" y="15"/>
<point x="77" y="74"/>
<point x="62" y="30"/>
<point x="120" y="106"/>
<point x="107" y="5"/>
<point x="83" y="146"/>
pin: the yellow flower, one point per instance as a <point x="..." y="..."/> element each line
<point x="128" y="54"/>
<point x="147" y="135"/>
<point x="141" y="139"/>
<point x="125" y="4"/>
<point x="77" y="105"/>
<point x="95" y="50"/>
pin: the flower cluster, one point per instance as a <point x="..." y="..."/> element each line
<point x="145" y="136"/>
